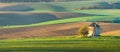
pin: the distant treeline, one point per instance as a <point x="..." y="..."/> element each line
<point x="38" y="0"/>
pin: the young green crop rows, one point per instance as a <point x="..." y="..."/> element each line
<point x="61" y="44"/>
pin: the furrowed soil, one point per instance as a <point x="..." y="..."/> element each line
<point x="68" y="29"/>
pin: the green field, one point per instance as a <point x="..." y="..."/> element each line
<point x="61" y="44"/>
<point x="99" y="15"/>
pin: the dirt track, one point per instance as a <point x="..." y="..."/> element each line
<point x="56" y="30"/>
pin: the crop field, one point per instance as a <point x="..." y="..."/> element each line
<point x="61" y="44"/>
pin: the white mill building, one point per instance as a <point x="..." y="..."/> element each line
<point x="94" y="30"/>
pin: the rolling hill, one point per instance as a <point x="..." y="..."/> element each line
<point x="68" y="29"/>
<point x="52" y="25"/>
<point x="60" y="6"/>
<point x="25" y="18"/>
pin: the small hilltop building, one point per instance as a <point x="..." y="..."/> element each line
<point x="94" y="30"/>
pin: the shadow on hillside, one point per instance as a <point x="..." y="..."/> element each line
<point x="103" y="5"/>
<point x="16" y="8"/>
<point x="24" y="7"/>
<point x="58" y="8"/>
<point x="31" y="18"/>
<point x="22" y="19"/>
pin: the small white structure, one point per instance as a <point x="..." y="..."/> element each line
<point x="93" y="30"/>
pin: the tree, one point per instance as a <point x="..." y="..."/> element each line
<point x="83" y="31"/>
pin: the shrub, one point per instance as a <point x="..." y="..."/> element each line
<point x="83" y="31"/>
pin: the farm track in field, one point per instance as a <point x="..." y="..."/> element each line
<point x="68" y="29"/>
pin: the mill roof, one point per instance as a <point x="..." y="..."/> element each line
<point x="94" y="24"/>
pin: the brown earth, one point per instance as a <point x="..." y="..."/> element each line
<point x="68" y="29"/>
<point x="6" y="4"/>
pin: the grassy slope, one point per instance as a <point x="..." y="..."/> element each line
<point x="67" y="44"/>
<point x="110" y="16"/>
<point x="51" y="7"/>
<point x="17" y="18"/>
<point x="66" y="6"/>
<point x="61" y="6"/>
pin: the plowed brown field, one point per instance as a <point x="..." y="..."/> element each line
<point x="6" y="4"/>
<point x="68" y="29"/>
